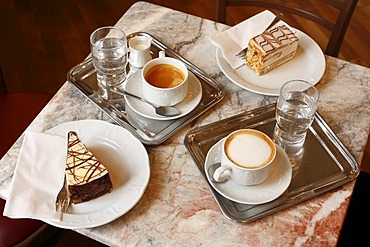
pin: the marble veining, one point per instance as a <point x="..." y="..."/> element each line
<point x="177" y="208"/>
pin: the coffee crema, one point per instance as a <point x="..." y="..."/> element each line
<point x="249" y="149"/>
<point x="164" y="76"/>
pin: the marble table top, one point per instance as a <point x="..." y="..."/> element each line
<point x="177" y="208"/>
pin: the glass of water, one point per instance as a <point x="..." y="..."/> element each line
<point x="295" y="111"/>
<point x="109" y="56"/>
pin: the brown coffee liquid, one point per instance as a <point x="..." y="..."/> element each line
<point x="164" y="76"/>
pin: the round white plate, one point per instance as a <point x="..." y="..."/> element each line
<point x="127" y="162"/>
<point x="192" y="99"/>
<point x="275" y="184"/>
<point x="308" y="64"/>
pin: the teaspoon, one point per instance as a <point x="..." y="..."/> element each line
<point x="211" y="171"/>
<point x="166" y="111"/>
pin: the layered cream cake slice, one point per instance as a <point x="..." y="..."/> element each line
<point x="87" y="178"/>
<point x="271" y="49"/>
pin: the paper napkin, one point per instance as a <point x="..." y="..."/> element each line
<point x="38" y="177"/>
<point x="236" y="38"/>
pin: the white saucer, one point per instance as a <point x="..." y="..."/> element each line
<point x="192" y="99"/>
<point x="275" y="185"/>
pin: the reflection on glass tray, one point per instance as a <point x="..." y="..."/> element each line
<point x="148" y="131"/>
<point x="324" y="165"/>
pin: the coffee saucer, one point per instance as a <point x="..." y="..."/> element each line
<point x="191" y="100"/>
<point x="273" y="187"/>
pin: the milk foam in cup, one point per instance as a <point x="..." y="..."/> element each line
<point x="247" y="155"/>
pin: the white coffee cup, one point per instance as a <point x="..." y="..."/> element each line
<point x="139" y="48"/>
<point x="162" y="70"/>
<point x="246" y="157"/>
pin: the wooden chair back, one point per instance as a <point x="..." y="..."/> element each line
<point x="3" y="88"/>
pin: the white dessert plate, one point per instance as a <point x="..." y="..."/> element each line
<point x="192" y="99"/>
<point x="273" y="187"/>
<point x="307" y="64"/>
<point x="127" y="162"/>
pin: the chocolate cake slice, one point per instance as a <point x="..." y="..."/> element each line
<point x="87" y="178"/>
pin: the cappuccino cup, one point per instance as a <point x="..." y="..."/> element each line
<point x="246" y="157"/>
<point x="165" y="80"/>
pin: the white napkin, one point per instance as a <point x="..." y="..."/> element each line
<point x="38" y="177"/>
<point x="236" y="38"/>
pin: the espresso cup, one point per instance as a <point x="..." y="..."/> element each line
<point x="165" y="80"/>
<point x="246" y="157"/>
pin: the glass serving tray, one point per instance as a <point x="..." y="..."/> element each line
<point x="148" y="131"/>
<point x="325" y="164"/>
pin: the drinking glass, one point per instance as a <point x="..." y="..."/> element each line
<point x="295" y="111"/>
<point x="109" y="56"/>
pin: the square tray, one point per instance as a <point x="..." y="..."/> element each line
<point x="325" y="165"/>
<point x="148" y="131"/>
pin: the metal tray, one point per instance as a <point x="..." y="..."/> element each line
<point x="325" y="164"/>
<point x="148" y="131"/>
